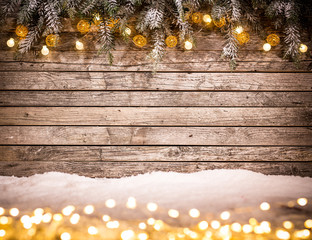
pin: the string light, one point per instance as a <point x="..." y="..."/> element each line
<point x="46" y="218"/>
<point x="308" y="223"/>
<point x="203" y="225"/>
<point x="143" y="236"/>
<point x="74" y="219"/>
<point x="142" y="226"/>
<point x="11" y="42"/>
<point x="215" y="224"/>
<point x="288" y="224"/>
<point x="188" y="45"/>
<point x="110" y="203"/>
<point x="247" y="228"/>
<point x="127" y="235"/>
<point x="282" y="234"/>
<point x="68" y="210"/>
<point x="2" y="233"/>
<point x="128" y="31"/>
<point x="131" y="203"/>
<point x="92" y="230"/>
<point x="194" y="213"/>
<point x="79" y="45"/>
<point x="4" y="220"/>
<point x="302" y="201"/>
<point x="225" y="215"/>
<point x="45" y="50"/>
<point x="265" y="206"/>
<point x="266" y="47"/>
<point x="152" y="207"/>
<point x="89" y="209"/>
<point x="14" y="212"/>
<point x="173" y="213"/>
<point x="236" y="227"/>
<point x="112" y="224"/>
<point x="57" y="217"/>
<point x="239" y="29"/>
<point x="106" y="218"/>
<point x="151" y="221"/>
<point x="303" y="48"/>
<point x="2" y="211"/>
<point x="65" y="236"/>
<point x="207" y="18"/>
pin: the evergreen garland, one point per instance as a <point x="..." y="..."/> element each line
<point x="158" y="19"/>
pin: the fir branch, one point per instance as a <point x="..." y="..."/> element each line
<point x="32" y="36"/>
<point x="231" y="47"/>
<point x="107" y="41"/>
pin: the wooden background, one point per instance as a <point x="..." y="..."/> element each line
<point x="72" y="112"/>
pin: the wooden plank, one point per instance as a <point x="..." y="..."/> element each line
<point x="203" y="61"/>
<point x="154" y="153"/>
<point x="159" y="81"/>
<point x="73" y="135"/>
<point x="156" y="116"/>
<point x="125" y="169"/>
<point x="155" y="98"/>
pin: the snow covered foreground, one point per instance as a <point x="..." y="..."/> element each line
<point x="209" y="191"/>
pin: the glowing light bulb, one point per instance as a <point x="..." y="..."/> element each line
<point x="158" y="225"/>
<point x="14" y="212"/>
<point x="303" y="48"/>
<point x="65" y="236"/>
<point x="142" y="236"/>
<point x="203" y="225"/>
<point x="288" y="224"/>
<point x="68" y="210"/>
<point x="266" y="47"/>
<point x="302" y="201"/>
<point x="27" y="225"/>
<point x="215" y="224"/>
<point x="308" y="223"/>
<point x="75" y="218"/>
<point x="127" y="235"/>
<point x="152" y="207"/>
<point x="89" y="209"/>
<point x="79" y="45"/>
<point x="11" y="42"/>
<point x="110" y="203"/>
<point x="45" y="50"/>
<point x="236" y="227"/>
<point x="151" y="221"/>
<point x="128" y="31"/>
<point x="4" y="220"/>
<point x="282" y="234"/>
<point x="173" y="213"/>
<point x="2" y="211"/>
<point x="106" y="218"/>
<point x="207" y="18"/>
<point x="142" y="226"/>
<point x="188" y="45"/>
<point x="194" y="213"/>
<point x="247" y="228"/>
<point x="57" y="217"/>
<point x="225" y="215"/>
<point x="25" y="219"/>
<point x="112" y="224"/>
<point x="265" y="226"/>
<point x="239" y="29"/>
<point x="38" y="212"/>
<point x="265" y="206"/>
<point x="46" y="218"/>
<point x="92" y="230"/>
<point x="2" y="233"/>
<point x="131" y="203"/>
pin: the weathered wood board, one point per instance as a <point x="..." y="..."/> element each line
<point x="73" y="112"/>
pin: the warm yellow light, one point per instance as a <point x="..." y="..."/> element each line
<point x="38" y="212"/>
<point x="36" y="219"/>
<point x="127" y="235"/>
<point x="11" y="42"/>
<point x="57" y="217"/>
<point x="68" y="210"/>
<point x="247" y="228"/>
<point x="110" y="203"/>
<point x="265" y="206"/>
<point x="2" y="211"/>
<point x="89" y="209"/>
<point x="142" y="226"/>
<point x="282" y="234"/>
<point x="152" y="207"/>
<point x="65" y="236"/>
<point x="239" y="29"/>
<point x="127" y="31"/>
<point x="302" y="201"/>
<point x="266" y="226"/>
<point x="142" y="236"/>
<point x="253" y="221"/>
<point x="92" y="230"/>
<point x="151" y="221"/>
<point x="74" y="219"/>
<point x="46" y="218"/>
<point x="131" y="203"/>
<point x="194" y="213"/>
<point x="225" y="215"/>
<point x="106" y="218"/>
<point x="207" y="18"/>
<point x="188" y="45"/>
<point x="236" y="227"/>
<point x="25" y="219"/>
<point x="79" y="45"/>
<point x="203" y="225"/>
<point x="215" y="224"/>
<point x="173" y="213"/>
<point x="258" y="230"/>
<point x="158" y="225"/>
<point x="308" y="223"/>
<point x="4" y="220"/>
<point x="45" y="50"/>
<point x="27" y="225"/>
<point x="14" y="212"/>
<point x="303" y="48"/>
<point x="288" y="224"/>
<point x="2" y="233"/>
<point x="266" y="47"/>
<point x="193" y="235"/>
<point x="112" y="224"/>
<point x="302" y="234"/>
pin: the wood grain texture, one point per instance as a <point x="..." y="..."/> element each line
<point x="174" y="81"/>
<point x="125" y="169"/>
<point x="82" y="135"/>
<point x="173" y="61"/>
<point x="155" y="99"/>
<point x="156" y="116"/>
<point x="155" y="153"/>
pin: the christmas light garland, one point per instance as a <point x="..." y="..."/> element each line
<point x="72" y="223"/>
<point x="163" y="23"/>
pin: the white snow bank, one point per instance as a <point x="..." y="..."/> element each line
<point x="209" y="191"/>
